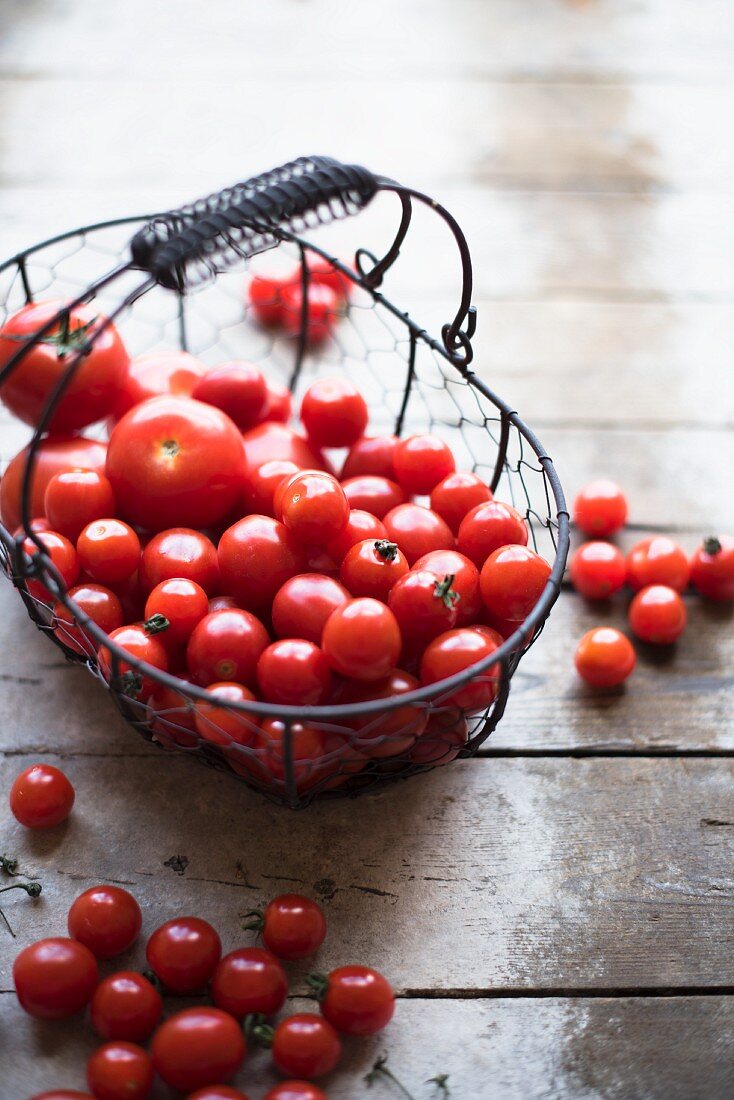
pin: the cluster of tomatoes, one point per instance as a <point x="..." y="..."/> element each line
<point x="199" y="1049"/>
<point x="657" y="570"/>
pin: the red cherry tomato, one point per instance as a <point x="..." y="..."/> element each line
<point x="250" y="980"/>
<point x="238" y="389"/>
<point x="598" y="570"/>
<point x="120" y="1071"/>
<point x="376" y="495"/>
<point x="323" y="272"/>
<point x="604" y="657"/>
<point x="180" y="552"/>
<point x="306" y="1046"/>
<point x="293" y="926"/>
<point x="454" y="652"/>
<point x="262" y="483"/>
<point x="55" y="978"/>
<point x="198" y="1047"/>
<point x="63" y="556"/>
<point x="53" y="456"/>
<point x="226" y="645"/>
<point x="92" y="391"/>
<point x="313" y="506"/>
<point x="143" y="647"/>
<point x="451" y="563"/>
<point x="182" y="604"/>
<point x="62" y="1094"/>
<point x="269" y="441"/>
<point x="221" y="726"/>
<point x="184" y="954"/>
<point x="362" y="640"/>
<point x="109" y="551"/>
<point x="657" y="614"/>
<point x="36" y="527"/>
<point x="372" y="567"/>
<point x="41" y="796"/>
<point x="442" y="740"/>
<point x="421" y="461"/>
<point x="307" y="749"/>
<point x="487" y="527"/>
<point x="371" y="455"/>
<point x="266" y="298"/>
<point x="295" y="672"/>
<point x="222" y="603"/>
<point x="360" y="526"/>
<point x="99" y="604"/>
<point x="278" y="403"/>
<point x="257" y="555"/>
<point x="455" y="496"/>
<point x="155" y="375"/>
<point x="324" y="308"/>
<point x="106" y="919"/>
<point x="217" y="1092"/>
<point x="172" y="717"/>
<point x="417" y="531"/>
<point x="295" y="1090"/>
<point x="392" y="732"/>
<point x="126" y="1006"/>
<point x="304" y="603"/>
<point x="424" y="606"/>
<point x="712" y="568"/>
<point x="512" y="581"/>
<point x="600" y="508"/>
<point x="357" y="1000"/>
<point x="334" y="413"/>
<point x="74" y="498"/>
<point x="657" y="560"/>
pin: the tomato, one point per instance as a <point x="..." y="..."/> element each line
<point x="598" y="570"/>
<point x="106" y="919"/>
<point x="249" y="980"/>
<point x="36" y="527"/>
<point x="180" y="552"/>
<point x="55" y="978"/>
<point x="307" y="749"/>
<point x="512" y="581"/>
<point x="443" y="563"/>
<point x="454" y="652"/>
<point x="421" y="462"/>
<point x="360" y="526"/>
<point x="455" y="496"/>
<point x="125" y="1006"/>
<point x="313" y="506"/>
<point x="62" y="1094"/>
<point x="712" y="568"/>
<point x="197" y="1047"/>
<point x="257" y="555"/>
<point x="266" y="298"/>
<point x="184" y="954"/>
<point x="487" y="527"/>
<point x="442" y="740"/>
<point x="657" y="560"/>
<point x="142" y="647"/>
<point x="226" y="645"/>
<point x="604" y="657"/>
<point x="261" y="484"/>
<point x="306" y="1046"/>
<point x="172" y="717"/>
<point x="74" y="498"/>
<point x="391" y="732"/>
<point x="333" y="412"/>
<point x="371" y="455"/>
<point x="295" y="672"/>
<point x="292" y="926"/>
<point x="362" y="640"/>
<point x="120" y="1071"/>
<point x="417" y="531"/>
<point x="304" y="603"/>
<point x="657" y="614"/>
<point x="376" y="495"/>
<point x="270" y="441"/>
<point x="173" y="460"/>
<point x="91" y="392"/>
<point x="372" y="567"/>
<point x="355" y="999"/>
<point x="295" y="1090"/>
<point x="600" y="508"/>
<point x="278" y="403"/>
<point x="221" y="726"/>
<point x="238" y="389"/>
<point x="424" y="606"/>
<point x="324" y="310"/>
<point x="223" y="603"/>
<point x="109" y="551"/>
<point x="62" y="555"/>
<point x="216" y="1092"/>
<point x="157" y="374"/>
<point x="53" y="456"/>
<point x="99" y="604"/>
<point x="322" y="272"/>
<point x="41" y="796"/>
<point x="182" y="604"/>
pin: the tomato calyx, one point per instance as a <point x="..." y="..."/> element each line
<point x="255" y="921"/>
<point x="131" y="683"/>
<point x="32" y="889"/>
<point x="65" y="340"/>
<point x="319" y="986"/>
<point x="258" y="1030"/>
<point x="8" y="865"/>
<point x="170" y="448"/>
<point x="152" y="977"/>
<point x="156" y="624"/>
<point x="444" y="591"/>
<point x="712" y="546"/>
<point x="381" y="1069"/>
<point x="386" y="549"/>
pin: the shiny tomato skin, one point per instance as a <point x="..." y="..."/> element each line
<point x="92" y="392"/>
<point x="443" y="563"/>
<point x="372" y="567"/>
<point x="226" y="645"/>
<point x="333" y="412"/>
<point x="712" y="568"/>
<point x="180" y="552"/>
<point x="141" y="646"/>
<point x="600" y="509"/>
<point x="158" y="374"/>
<point x="106" y="919"/>
<point x="657" y="615"/>
<point x="55" y="978"/>
<point x="303" y="604"/>
<point x="294" y="672"/>
<point x="421" y="462"/>
<point x="308" y="746"/>
<point x="456" y="495"/>
<point x="217" y="1092"/>
<point x="272" y="440"/>
<point x="125" y="1006"/>
<point x="604" y="657"/>
<point x="360" y="526"/>
<point x="54" y="455"/>
<point x="62" y="1094"/>
<point x="373" y="494"/>
<point x="362" y="640"/>
<point x="295" y="1090"/>
<point x="100" y="604"/>
<point x="278" y="403"/>
<point x="172" y="717"/>
<point x="261" y="484"/>
<point x="120" y="1071"/>
<point x="323" y="272"/>
<point x="598" y="570"/>
<point x="184" y="953"/>
<point x="442" y="740"/>
<point x="294" y="926"/>
<point x="41" y="797"/>
<point x="312" y="505"/>
<point x="417" y="531"/>
<point x="265" y="295"/>
<point x="371" y="455"/>
<point x="237" y="388"/>
<point x="257" y="555"/>
<point x="392" y="732"/>
<point x="249" y="980"/>
<point x="453" y="652"/>
<point x="324" y="310"/>
<point x="658" y="560"/>
<point x="512" y="581"/>
<point x="198" y="1047"/>
<point x="487" y="527"/>
<point x="182" y="603"/>
<point x="358" y="1000"/>
<point x="74" y="498"/>
<point x="306" y="1045"/>
<point x="221" y="726"/>
<point x="109" y="551"/>
<point x="424" y="606"/>
<point x="62" y="555"/>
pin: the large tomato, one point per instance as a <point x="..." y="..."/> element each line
<point x="94" y="389"/>
<point x="175" y="462"/>
<point x="54" y="456"/>
<point x="270" y="440"/>
<point x="161" y="372"/>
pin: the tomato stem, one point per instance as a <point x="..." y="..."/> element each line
<point x="32" y="889"/>
<point x="258" y="1030"/>
<point x="131" y="683"/>
<point x="444" y="591"/>
<point x="386" y="549"/>
<point x="8" y="865"/>
<point x="441" y="1083"/>
<point x="152" y="977"/>
<point x="381" y="1069"/>
<point x="257" y="923"/>
<point x="156" y="624"/>
<point x="318" y="984"/>
<point x="712" y="545"/>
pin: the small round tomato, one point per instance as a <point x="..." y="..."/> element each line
<point x="657" y="614"/>
<point x="106" y="919"/>
<point x="92" y="391"/>
<point x="62" y="1094"/>
<point x="257" y="555"/>
<point x="417" y="531"/>
<point x="512" y="581"/>
<point x="295" y="672"/>
<point x="391" y="732"/>
<point x="62" y="555"/>
<point x="221" y="726"/>
<point x="304" y="603"/>
<point x="249" y="980"/>
<point x="180" y="552"/>
<point x="313" y="506"/>
<point x="373" y="494"/>
<point x="295" y="1090"/>
<point x="223" y="603"/>
<point x="371" y="455"/>
<point x="181" y="605"/>
<point x="362" y="640"/>
<point x="355" y="999"/>
<point x="324" y="309"/>
<point x="292" y="926"/>
<point x="597" y="570"/>
<point x="109" y="551"/>
<point x="487" y="527"/>
<point x="600" y="508"/>
<point x="126" y="1006"/>
<point x="262" y="483"/>
<point x="142" y="647"/>
<point x="421" y="462"/>
<point x="41" y="796"/>
<point x="278" y="403"/>
<point x="96" y="602"/>
<point x="443" y="563"/>
<point x="74" y="498"/>
<point x="198" y="1047"/>
<point x="712" y="568"/>
<point x="172" y="717"/>
<point x="442" y="740"/>
<point x="53" y="456"/>
<point x="604" y="657"/>
<point x="217" y="1092"/>
<point x="269" y="441"/>
<point x="265" y="295"/>
<point x="238" y="389"/>
<point x="360" y="526"/>
<point x="306" y="1045"/>
<point x="55" y="978"/>
<point x="334" y="413"/>
<point x="455" y="496"/>
<point x="454" y="652"/>
<point x="157" y="374"/>
<point x="657" y="560"/>
<point x="323" y="271"/>
<point x="307" y="749"/>
<point x="372" y="567"/>
<point x="424" y="606"/>
<point x="120" y="1071"/>
<point x="184" y="953"/>
<point x="226" y="645"/>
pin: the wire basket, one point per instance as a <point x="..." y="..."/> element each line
<point x="179" y="282"/>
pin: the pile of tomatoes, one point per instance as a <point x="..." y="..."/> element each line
<point x="212" y="539"/>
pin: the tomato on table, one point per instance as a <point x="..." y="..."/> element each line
<point x="304" y="603"/>
<point x="55" y="978"/>
<point x="120" y="1070"/>
<point x="373" y="494"/>
<point x="180" y="552"/>
<point x="356" y="1000"/>
<point x="142" y="647"/>
<point x="219" y="725"/>
<point x="98" y="603"/>
<point x="54" y="455"/>
<point x="257" y="555"/>
<point x="312" y="505"/>
<point x="198" y="1047"/>
<point x="512" y="581"/>
<point x="371" y="455"/>
<point x="226" y="645"/>
<point x="296" y="1090"/>
<point x="237" y="388"/>
<point x="62" y="1094"/>
<point x="391" y="732"/>
<point x="417" y="531"/>
<point x="294" y="672"/>
<point x="443" y="563"/>
<point x="62" y="555"/>
<point x="305" y="1045"/>
<point x="106" y="919"/>
<point x="109" y="550"/>
<point x="292" y="926"/>
<point x="598" y="570"/>
<point x="456" y="495"/>
<point x="604" y="657"/>
<point x="657" y="560"/>
<point x="157" y="374"/>
<point x="334" y="413"/>
<point x="424" y="606"/>
<point x="183" y="953"/>
<point x="712" y="568"/>
<point x="41" y="797"/>
<point x="372" y="567"/>
<point x="126" y="1006"/>
<point x="454" y="652"/>
<point x="249" y="980"/>
<point x="600" y="508"/>
<point x="74" y="498"/>
<point x="421" y="462"/>
<point x="657" y="614"/>
<point x="487" y="527"/>
<point x="362" y="640"/>
<point x="217" y="1092"/>
<point x="174" y="608"/>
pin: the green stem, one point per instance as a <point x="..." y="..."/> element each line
<point x="8" y="865"/>
<point x="386" y="549"/>
<point x="381" y="1069"/>
<point x="32" y="889"/>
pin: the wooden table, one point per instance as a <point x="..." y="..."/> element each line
<point x="556" y="915"/>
